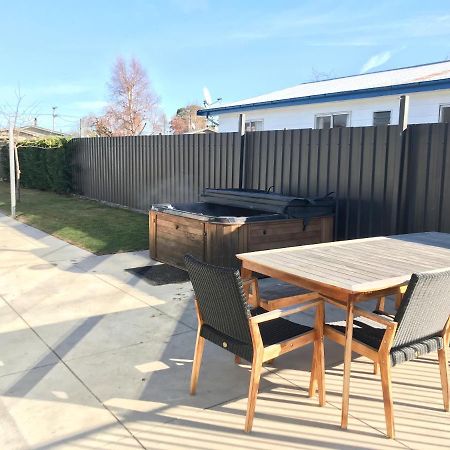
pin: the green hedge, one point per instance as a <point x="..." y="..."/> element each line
<point x="44" y="165"/>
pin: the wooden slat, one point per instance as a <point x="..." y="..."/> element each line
<point x="178" y="220"/>
<point x="292" y="224"/>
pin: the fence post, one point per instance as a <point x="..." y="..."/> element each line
<point x="242" y="156"/>
<point x="403" y="125"/>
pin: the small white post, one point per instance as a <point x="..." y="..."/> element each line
<point x="403" y="113"/>
<point x="12" y="169"/>
<point x="241" y="131"/>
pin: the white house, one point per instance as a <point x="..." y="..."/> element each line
<point x="353" y="101"/>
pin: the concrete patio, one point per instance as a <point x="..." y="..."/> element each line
<point x="93" y="357"/>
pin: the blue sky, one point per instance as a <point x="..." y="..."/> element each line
<point x="61" y="53"/>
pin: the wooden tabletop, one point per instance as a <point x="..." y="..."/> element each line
<point x="355" y="266"/>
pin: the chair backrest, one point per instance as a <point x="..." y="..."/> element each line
<point x="425" y="308"/>
<point x="221" y="299"/>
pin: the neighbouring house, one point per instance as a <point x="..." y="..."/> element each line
<point x="353" y="101"/>
<point x="29" y="132"/>
<point x="206" y="130"/>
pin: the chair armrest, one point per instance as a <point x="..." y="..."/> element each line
<point x="374" y="317"/>
<point x="277" y="313"/>
<point x="367" y="314"/>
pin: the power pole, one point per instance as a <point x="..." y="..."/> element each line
<point x="12" y="168"/>
<point x="54" y="115"/>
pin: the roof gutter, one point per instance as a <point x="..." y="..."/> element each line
<point x="421" y="86"/>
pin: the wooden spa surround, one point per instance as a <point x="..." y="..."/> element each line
<point x="173" y="236"/>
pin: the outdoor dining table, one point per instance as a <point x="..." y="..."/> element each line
<point x="352" y="271"/>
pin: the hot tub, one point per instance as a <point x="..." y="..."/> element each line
<point x="220" y="227"/>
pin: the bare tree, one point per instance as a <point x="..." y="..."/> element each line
<point x="133" y="104"/>
<point x="186" y="120"/>
<point x="15" y="115"/>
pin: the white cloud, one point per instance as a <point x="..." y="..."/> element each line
<point x="376" y="61"/>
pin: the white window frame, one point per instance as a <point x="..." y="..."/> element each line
<point x="383" y="110"/>
<point x="337" y="113"/>
<point x="254" y="120"/>
<point x="443" y="105"/>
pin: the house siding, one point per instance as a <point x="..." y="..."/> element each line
<point x="423" y="108"/>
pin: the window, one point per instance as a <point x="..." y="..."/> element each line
<point x="340" y="120"/>
<point x="381" y="118"/>
<point x="445" y="114"/>
<point x="325" y="121"/>
<point x="254" y="125"/>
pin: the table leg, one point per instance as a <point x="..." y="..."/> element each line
<point x="347" y="364"/>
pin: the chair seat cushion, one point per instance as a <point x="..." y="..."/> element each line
<point x="371" y="333"/>
<point x="272" y="289"/>
<point x="272" y="332"/>
<point x="242" y="349"/>
<point x="364" y="330"/>
<point x="278" y="330"/>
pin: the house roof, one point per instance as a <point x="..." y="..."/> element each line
<point x="406" y="80"/>
<point x="30" y="132"/>
<point x="206" y="130"/>
<point x="40" y="131"/>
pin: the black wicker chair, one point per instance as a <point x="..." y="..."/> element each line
<point x="225" y="318"/>
<point x="420" y="326"/>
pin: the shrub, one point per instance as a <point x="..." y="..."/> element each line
<point x="44" y="164"/>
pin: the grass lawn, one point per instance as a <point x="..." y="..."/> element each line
<point x="84" y="223"/>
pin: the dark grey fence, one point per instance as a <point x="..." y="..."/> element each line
<point x="360" y="165"/>
<point x="383" y="184"/>
<point x="140" y="170"/>
<point x="427" y="179"/>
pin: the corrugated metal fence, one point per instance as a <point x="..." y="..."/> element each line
<point x="140" y="170"/>
<point x="360" y="165"/>
<point x="383" y="185"/>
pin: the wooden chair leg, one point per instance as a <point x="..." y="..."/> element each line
<point x="381" y="303"/>
<point x="375" y="368"/>
<point x="443" y="366"/>
<point x="398" y="299"/>
<point x="386" y="383"/>
<point x="199" y="346"/>
<point x="253" y="388"/>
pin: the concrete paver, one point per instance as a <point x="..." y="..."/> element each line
<point x="48" y="407"/>
<point x="93" y="357"/>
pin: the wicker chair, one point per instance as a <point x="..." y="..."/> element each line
<point x="225" y="318"/>
<point x="420" y="326"/>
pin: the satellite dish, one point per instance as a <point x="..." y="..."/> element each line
<point x="206" y="97"/>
